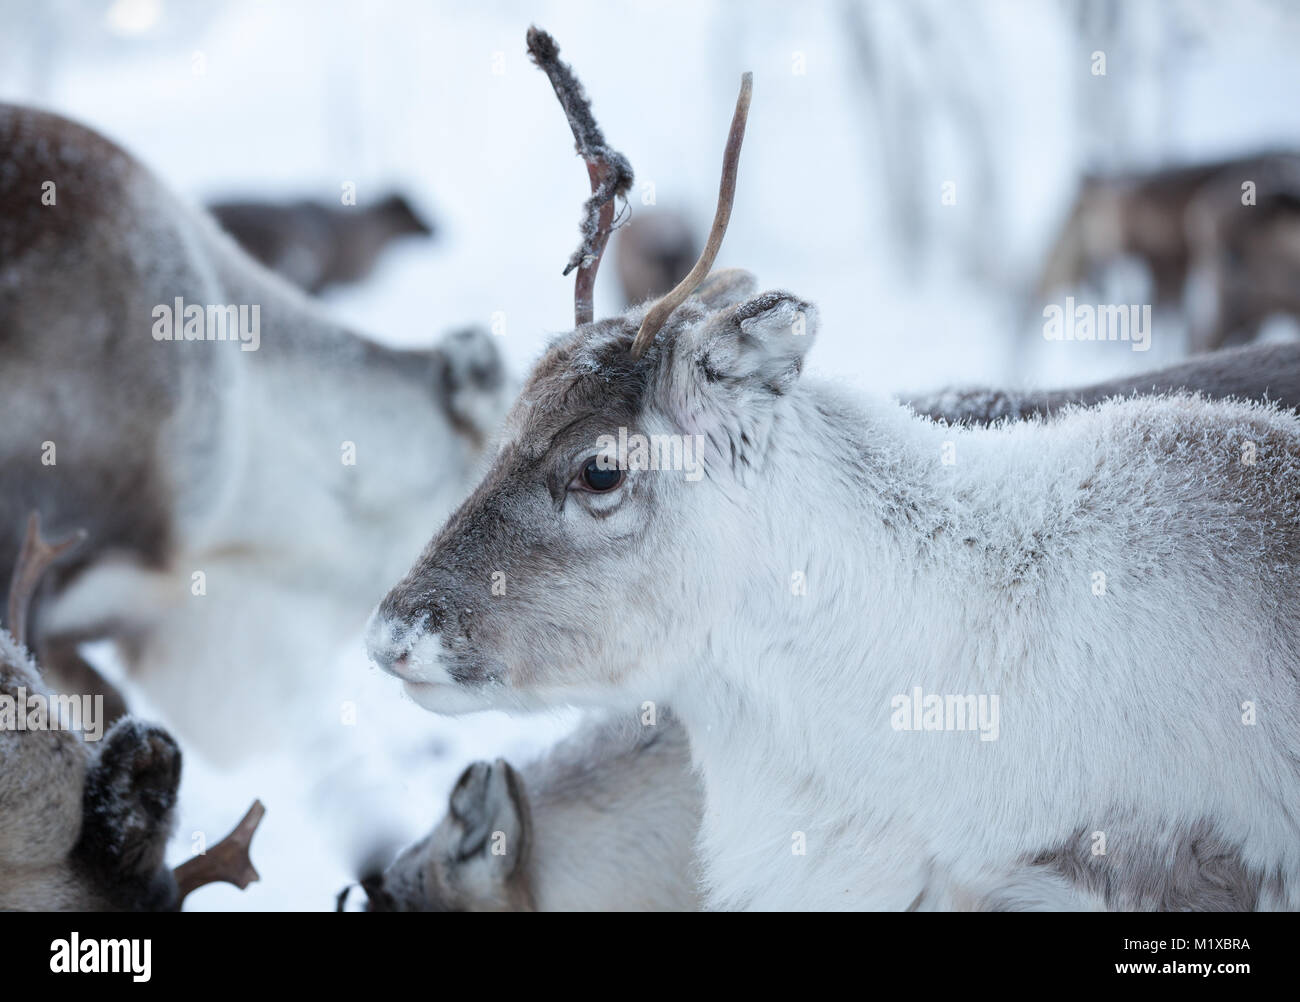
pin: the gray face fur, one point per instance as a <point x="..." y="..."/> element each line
<point x="476" y="859"/>
<point x="605" y="820"/>
<point x="571" y="565"/>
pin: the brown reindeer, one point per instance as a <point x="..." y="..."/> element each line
<point x="84" y="823"/>
<point x="316" y="245"/>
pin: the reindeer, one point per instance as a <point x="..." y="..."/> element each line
<point x="653" y="252"/>
<point x="315" y="245"/>
<point x="1263" y="372"/>
<point x="223" y="476"/>
<point x="613" y="770"/>
<point x="1144" y="214"/>
<point x="605" y="821"/>
<point x="1121" y="580"/>
<point x="1245" y="257"/>
<point x="83" y="826"/>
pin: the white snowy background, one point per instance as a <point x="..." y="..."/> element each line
<point x="862" y="111"/>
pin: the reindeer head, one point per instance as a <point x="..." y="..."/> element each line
<point x="576" y="565"/>
<point x="572" y="567"/>
<point x="476" y="859"/>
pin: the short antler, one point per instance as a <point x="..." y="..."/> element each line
<point x="609" y="171"/>
<point x="34" y="559"/>
<point x="659" y="313"/>
<point x="226" y="862"/>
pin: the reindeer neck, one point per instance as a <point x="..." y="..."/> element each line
<point x="860" y="546"/>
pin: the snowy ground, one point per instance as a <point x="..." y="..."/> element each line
<point x="269" y="98"/>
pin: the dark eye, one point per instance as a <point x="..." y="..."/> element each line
<point x="598" y="480"/>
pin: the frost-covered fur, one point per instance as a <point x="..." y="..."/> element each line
<point x="82" y="827"/>
<point x="1264" y="372"/>
<point x="605" y="821"/>
<point x="1123" y="579"/>
<point x="217" y="485"/>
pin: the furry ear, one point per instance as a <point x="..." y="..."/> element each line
<point x="491" y="807"/>
<point x="728" y="371"/>
<point x="471" y="378"/>
<point x="759" y="343"/>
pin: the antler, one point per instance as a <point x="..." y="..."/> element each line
<point x="609" y="170"/>
<point x="34" y="559"/>
<point x="659" y="313"/>
<point x="226" y="862"/>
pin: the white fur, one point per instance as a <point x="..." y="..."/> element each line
<point x="1121" y="713"/>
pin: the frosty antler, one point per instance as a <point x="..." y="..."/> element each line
<point x="609" y="170"/>
<point x="34" y="559"/>
<point x="659" y="313"/>
<point x="226" y="862"/>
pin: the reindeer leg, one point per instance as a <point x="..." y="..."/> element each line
<point x="129" y="802"/>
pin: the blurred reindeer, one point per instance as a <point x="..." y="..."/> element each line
<point x="605" y="821"/>
<point x="1186" y="223"/>
<point x="316" y="245"/>
<point x="653" y="251"/>
<point x="83" y="823"/>
<point x="219" y="477"/>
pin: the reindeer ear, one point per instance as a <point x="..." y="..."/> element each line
<point x="759" y="343"/>
<point x="491" y="806"/>
<point x="472" y="380"/>
<point x="725" y="288"/>
<point x="728" y="370"/>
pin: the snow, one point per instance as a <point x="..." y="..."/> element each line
<point x="297" y="98"/>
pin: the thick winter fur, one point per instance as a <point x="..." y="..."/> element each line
<point x="606" y="821"/>
<point x="1263" y="372"/>
<point x="83" y="826"/>
<point x="187" y="457"/>
<point x="315" y="245"/>
<point x="831" y="560"/>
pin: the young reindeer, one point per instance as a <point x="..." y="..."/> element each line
<point x="84" y="824"/>
<point x="224" y="470"/>
<point x="635" y="768"/>
<point x="605" y="821"/>
<point x="638" y="768"/>
<point x="1114" y="590"/>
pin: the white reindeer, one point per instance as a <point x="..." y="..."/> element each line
<point x="848" y="583"/>
<point x="605" y="821"/>
<point x="245" y="498"/>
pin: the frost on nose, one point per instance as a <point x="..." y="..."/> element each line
<point x="388" y="644"/>
<point x="406" y="650"/>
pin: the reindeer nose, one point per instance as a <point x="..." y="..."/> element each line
<point x="388" y="647"/>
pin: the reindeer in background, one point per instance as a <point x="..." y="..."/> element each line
<point x="605" y="821"/>
<point x="315" y="245"/>
<point x="1229" y="264"/>
<point x="245" y="479"/>
<point x="84" y="824"/>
